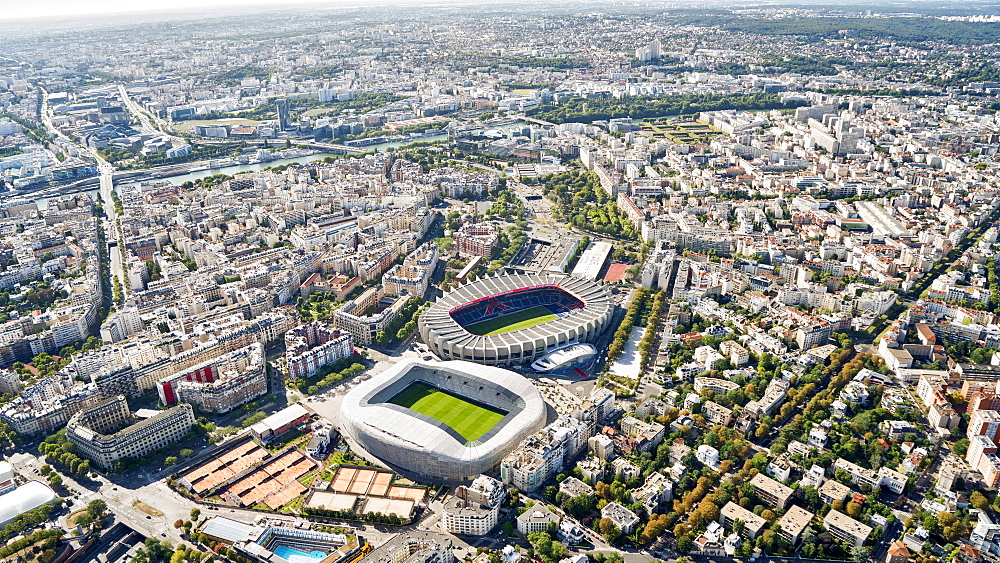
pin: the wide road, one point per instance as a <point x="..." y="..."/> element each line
<point x="148" y="126"/>
<point x="106" y="171"/>
<point x="111" y="231"/>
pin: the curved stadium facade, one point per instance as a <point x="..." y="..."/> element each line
<point x="443" y="421"/>
<point x="514" y="319"/>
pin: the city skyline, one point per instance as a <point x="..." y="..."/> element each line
<point x="45" y="9"/>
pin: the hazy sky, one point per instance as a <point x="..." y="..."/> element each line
<point x="41" y="8"/>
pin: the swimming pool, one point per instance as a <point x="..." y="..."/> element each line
<point x="298" y="556"/>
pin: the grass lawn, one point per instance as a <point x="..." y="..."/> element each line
<point x="514" y="321"/>
<point x="471" y="419"/>
<point x="145" y="508"/>
<point x="71" y="519"/>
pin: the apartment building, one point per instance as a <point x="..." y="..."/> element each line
<point x="573" y="487"/>
<point x="716" y="414"/>
<point x="623" y="518"/>
<point x="412" y="276"/>
<point x="645" y="436"/>
<point x="657" y="490"/>
<point x="792" y="523"/>
<point x="106" y="431"/>
<point x="831" y="491"/>
<point x="477" y="239"/>
<point x="771" y="491"/>
<point x="314" y="345"/>
<point x="846" y="529"/>
<point x="366" y="316"/>
<point x="474" y="510"/>
<point x="773" y="396"/>
<point x="738" y="355"/>
<point x="752" y="524"/>
<point x="543" y="454"/>
<point x="536" y="519"/>
<point x="221" y="384"/>
<point x="884" y="477"/>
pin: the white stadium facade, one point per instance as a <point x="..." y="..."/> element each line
<point x="583" y="310"/>
<point x="415" y="443"/>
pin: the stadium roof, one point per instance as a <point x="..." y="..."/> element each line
<point x="411" y="440"/>
<point x="437" y="323"/>
<point x="24" y="498"/>
<point x="229" y="530"/>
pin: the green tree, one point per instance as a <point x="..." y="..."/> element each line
<point x="96" y="508"/>
<point x="961" y="447"/>
<point x="978" y="500"/>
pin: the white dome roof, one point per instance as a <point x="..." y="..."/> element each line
<point x="22" y="499"/>
<point x="6" y="471"/>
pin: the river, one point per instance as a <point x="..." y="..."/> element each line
<point x="237" y="168"/>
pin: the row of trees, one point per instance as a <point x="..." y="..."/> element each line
<point x="509" y="243"/>
<point x="59" y="451"/>
<point x="911" y="30"/>
<point x="584" y="243"/>
<point x="652" y="326"/>
<point x="32" y="130"/>
<point x="476" y="60"/>
<point x="624" y="330"/>
<point x="29" y="520"/>
<point x="800" y="64"/>
<point x="328" y="376"/>
<point x="375" y="517"/>
<point x="991" y="280"/>
<point x="581" y="110"/>
<point x="43" y="544"/>
<point x="405" y="322"/>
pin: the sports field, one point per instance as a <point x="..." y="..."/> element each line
<point x="471" y="419"/>
<point x="514" y="321"/>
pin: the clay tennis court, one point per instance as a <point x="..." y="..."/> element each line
<point x="217" y="471"/>
<point x="616" y="272"/>
<point x="416" y="494"/>
<point x="373" y="483"/>
<point x="400" y="507"/>
<point x="373" y="487"/>
<point x="331" y="501"/>
<point x="275" y="483"/>
<point x="342" y="480"/>
<point x="362" y="481"/>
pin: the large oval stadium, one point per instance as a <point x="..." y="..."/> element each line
<point x="442" y="421"/>
<point x="513" y="319"/>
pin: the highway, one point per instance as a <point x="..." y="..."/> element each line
<point x="160" y="127"/>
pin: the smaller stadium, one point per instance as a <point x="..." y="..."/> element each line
<point x="471" y="419"/>
<point x="442" y="421"/>
<point x="515" y="319"/>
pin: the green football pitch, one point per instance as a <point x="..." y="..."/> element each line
<point x="514" y="321"/>
<point x="471" y="419"/>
